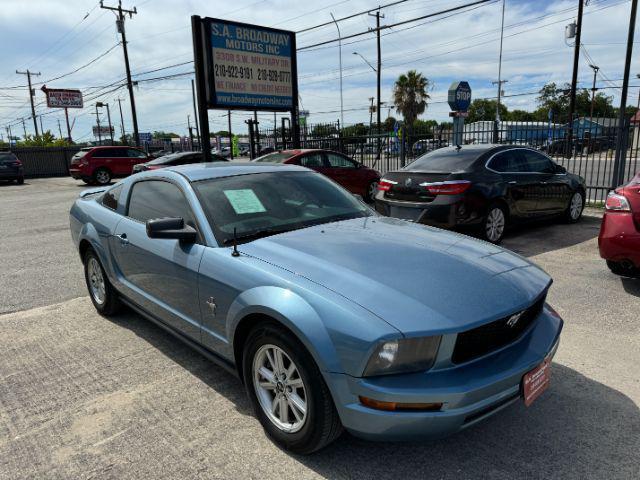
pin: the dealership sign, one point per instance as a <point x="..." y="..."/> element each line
<point x="102" y="131"/>
<point x="250" y="67"/>
<point x="63" y="98"/>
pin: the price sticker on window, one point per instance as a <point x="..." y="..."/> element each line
<point x="244" y="201"/>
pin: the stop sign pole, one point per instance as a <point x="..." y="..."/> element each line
<point x="459" y="99"/>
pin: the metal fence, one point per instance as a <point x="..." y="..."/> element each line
<point x="45" y="161"/>
<point x="586" y="147"/>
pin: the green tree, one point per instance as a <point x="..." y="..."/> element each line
<point x="520" y="116"/>
<point x="410" y="97"/>
<point x="388" y="124"/>
<point x="557" y="98"/>
<point x="46" y="139"/>
<point x="324" y="130"/>
<point x="482" y="109"/>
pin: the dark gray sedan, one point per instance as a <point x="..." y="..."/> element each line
<point x="11" y="168"/>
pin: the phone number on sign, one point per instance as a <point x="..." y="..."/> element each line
<point x="247" y="73"/>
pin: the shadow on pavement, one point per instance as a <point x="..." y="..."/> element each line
<point x="538" y="237"/>
<point x="631" y="285"/>
<point x="578" y="429"/>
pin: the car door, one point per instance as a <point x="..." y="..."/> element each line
<point x="554" y="190"/>
<point x="345" y="171"/>
<point x="134" y="156"/>
<point x="160" y="275"/>
<point x="520" y="186"/>
<point x="116" y="160"/>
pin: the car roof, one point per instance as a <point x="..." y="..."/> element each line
<point x="206" y="171"/>
<point x="300" y="151"/>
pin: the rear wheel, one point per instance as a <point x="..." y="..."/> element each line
<point x="625" y="269"/>
<point x="287" y="391"/>
<point x="372" y="188"/>
<point x="103" y="295"/>
<point x="494" y="224"/>
<point x="102" y="176"/>
<point x="20" y="180"/>
<point x="575" y="208"/>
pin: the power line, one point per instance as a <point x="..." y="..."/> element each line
<point x="353" y="15"/>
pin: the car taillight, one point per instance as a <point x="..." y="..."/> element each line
<point x="385" y="185"/>
<point x="617" y="203"/>
<point x="17" y="163"/>
<point x="451" y="187"/>
<point x="151" y="167"/>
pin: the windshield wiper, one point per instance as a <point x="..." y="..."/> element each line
<point x="267" y="232"/>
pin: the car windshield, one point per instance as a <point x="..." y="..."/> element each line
<point x="7" y="157"/>
<point x="275" y="157"/>
<point x="262" y="204"/>
<point x="445" y="160"/>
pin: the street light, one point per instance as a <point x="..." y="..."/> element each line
<point x="100" y="104"/>
<point x="365" y="61"/>
<point x="595" y="69"/>
<point x="340" y="57"/>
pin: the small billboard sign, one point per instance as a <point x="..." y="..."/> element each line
<point x="145" y="136"/>
<point x="102" y="131"/>
<point x="63" y="98"/>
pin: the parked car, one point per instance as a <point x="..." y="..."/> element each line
<point x="352" y="175"/>
<point x="224" y="152"/>
<point x="11" y="168"/>
<point x="334" y="316"/>
<point x="266" y="150"/>
<point x="160" y="153"/>
<point x="98" y="165"/>
<point x="619" y="239"/>
<point x="483" y="187"/>
<point x="173" y="159"/>
<point x="428" y="145"/>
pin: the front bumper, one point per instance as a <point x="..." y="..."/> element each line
<point x="469" y="392"/>
<point x="445" y="211"/>
<point x="619" y="238"/>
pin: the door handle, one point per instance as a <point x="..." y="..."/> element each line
<point x="123" y="239"/>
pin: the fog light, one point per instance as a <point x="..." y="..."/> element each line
<point x="395" y="406"/>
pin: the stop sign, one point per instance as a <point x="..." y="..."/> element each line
<point x="459" y="96"/>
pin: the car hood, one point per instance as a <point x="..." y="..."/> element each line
<point x="419" y="279"/>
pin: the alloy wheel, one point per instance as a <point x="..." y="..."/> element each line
<point x="103" y="177"/>
<point x="280" y="389"/>
<point x="575" y="209"/>
<point x="371" y="193"/>
<point x="96" y="281"/>
<point x="494" y="227"/>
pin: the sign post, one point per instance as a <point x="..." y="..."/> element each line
<point x="63" y="98"/>
<point x="459" y="99"/>
<point x="243" y="67"/>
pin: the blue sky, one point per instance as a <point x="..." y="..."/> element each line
<point x="55" y="38"/>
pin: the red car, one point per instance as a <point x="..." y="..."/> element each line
<point x="101" y="164"/>
<point x="619" y="239"/>
<point x="352" y="175"/>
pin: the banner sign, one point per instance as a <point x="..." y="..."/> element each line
<point x="250" y="67"/>
<point x="62" y="98"/>
<point x="104" y="131"/>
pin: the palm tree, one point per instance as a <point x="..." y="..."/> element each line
<point x="410" y="97"/>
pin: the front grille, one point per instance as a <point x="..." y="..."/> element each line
<point x="479" y="341"/>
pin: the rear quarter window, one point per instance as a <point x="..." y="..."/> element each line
<point x="111" y="197"/>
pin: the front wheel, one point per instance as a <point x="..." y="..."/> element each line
<point x="287" y="391"/>
<point x="576" y="207"/>
<point x="494" y="224"/>
<point x="102" y="176"/>
<point x="372" y="188"/>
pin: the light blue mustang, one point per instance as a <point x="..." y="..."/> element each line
<point x="331" y="315"/>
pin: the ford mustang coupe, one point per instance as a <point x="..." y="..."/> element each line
<point x="333" y="316"/>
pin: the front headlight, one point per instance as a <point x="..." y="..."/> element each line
<point x="403" y="355"/>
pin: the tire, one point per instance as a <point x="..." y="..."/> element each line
<point x="494" y="224"/>
<point x="574" y="210"/>
<point x="88" y="181"/>
<point x="102" y="294"/>
<point x="102" y="176"/>
<point x="370" y="194"/>
<point x="299" y="432"/>
<point x="20" y="180"/>
<point x="619" y="268"/>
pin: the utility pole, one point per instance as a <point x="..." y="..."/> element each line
<point x="378" y="71"/>
<point x="257" y="132"/>
<point x="24" y="128"/>
<point x="230" y="136"/>
<point x="41" y="129"/>
<point x="59" y="129"/>
<point x="98" y="122"/>
<point x="500" y="81"/>
<point x="195" y="113"/>
<point x="593" y="89"/>
<point x="621" y="144"/>
<point x="340" y="64"/>
<point x="121" y="120"/>
<point x="574" y="79"/>
<point x="109" y="120"/>
<point x="120" y="25"/>
<point x="190" y="130"/>
<point x="31" y="95"/>
<point x="371" y="99"/>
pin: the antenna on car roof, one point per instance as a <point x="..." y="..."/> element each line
<point x="235" y="252"/>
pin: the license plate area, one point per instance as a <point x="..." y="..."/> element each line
<point x="536" y="381"/>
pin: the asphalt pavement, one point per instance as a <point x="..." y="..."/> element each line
<point x="82" y="396"/>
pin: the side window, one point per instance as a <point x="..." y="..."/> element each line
<point x="101" y="153"/>
<point x="338" y="161"/>
<point x="157" y="199"/>
<point x="537" y="162"/>
<point x="111" y="197"/>
<point x="312" y="160"/>
<point x="510" y="161"/>
<point x="133" y="153"/>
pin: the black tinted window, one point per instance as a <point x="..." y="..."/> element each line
<point x="156" y="199"/>
<point x="537" y="162"/>
<point x="508" y="161"/>
<point x="7" y="157"/>
<point x="111" y="197"/>
<point x="133" y="153"/>
<point x="110" y="153"/>
<point x="312" y="160"/>
<point x="338" y="161"/>
<point x="446" y="160"/>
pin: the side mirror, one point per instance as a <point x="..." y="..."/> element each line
<point x="173" y="228"/>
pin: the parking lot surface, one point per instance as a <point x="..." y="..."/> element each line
<point x="82" y="396"/>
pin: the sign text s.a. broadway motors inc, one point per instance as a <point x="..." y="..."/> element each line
<point x="252" y="67"/>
